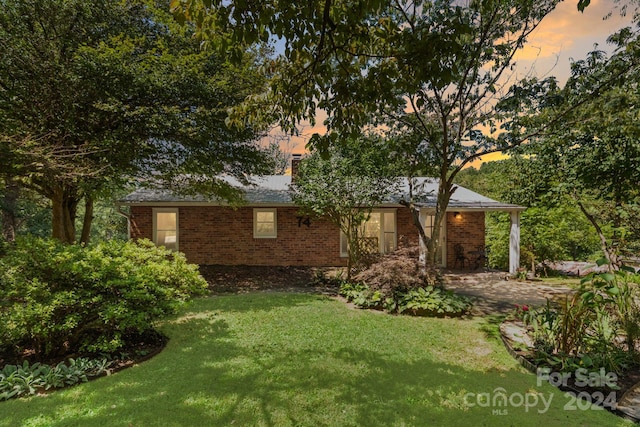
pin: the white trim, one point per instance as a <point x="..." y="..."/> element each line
<point x="256" y="233"/>
<point x="514" y="243"/>
<point x="381" y="238"/>
<point x="450" y="208"/>
<point x="156" y="211"/>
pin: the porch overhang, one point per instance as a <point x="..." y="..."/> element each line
<point x="514" y="212"/>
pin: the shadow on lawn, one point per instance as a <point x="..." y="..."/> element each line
<point x="217" y="370"/>
<point x="261" y="301"/>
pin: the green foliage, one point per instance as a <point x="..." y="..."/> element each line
<point x="398" y="284"/>
<point x="430" y="301"/>
<point x="345" y="187"/>
<point x="95" y="93"/>
<point x="594" y="161"/>
<point x="433" y="301"/>
<point x="584" y="330"/>
<point x="547" y="234"/>
<point x="26" y="379"/>
<point x="552" y="229"/>
<point x="61" y="299"/>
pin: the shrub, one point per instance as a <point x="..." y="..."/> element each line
<point x="398" y="272"/>
<point x="398" y="283"/>
<point x="585" y="329"/>
<point x="62" y="299"/>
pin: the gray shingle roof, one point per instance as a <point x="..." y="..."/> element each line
<point x="274" y="190"/>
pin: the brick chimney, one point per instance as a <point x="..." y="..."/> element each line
<point x="295" y="165"/>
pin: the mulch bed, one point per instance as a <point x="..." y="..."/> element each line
<point x="243" y="279"/>
<point x="138" y="350"/>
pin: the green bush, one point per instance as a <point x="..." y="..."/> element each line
<point x="63" y="299"/>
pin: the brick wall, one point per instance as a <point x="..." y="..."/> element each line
<point x="221" y="235"/>
<point x="468" y="230"/>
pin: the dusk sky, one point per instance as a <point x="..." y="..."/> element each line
<point x="563" y="35"/>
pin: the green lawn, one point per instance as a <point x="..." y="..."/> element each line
<point x="276" y="359"/>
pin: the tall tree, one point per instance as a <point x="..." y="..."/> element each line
<point x="94" y="93"/>
<point x="429" y="71"/>
<point x="594" y="155"/>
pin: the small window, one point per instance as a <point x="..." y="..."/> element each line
<point x="165" y="228"/>
<point x="265" y="224"/>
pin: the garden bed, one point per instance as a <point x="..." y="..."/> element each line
<point x="519" y="344"/>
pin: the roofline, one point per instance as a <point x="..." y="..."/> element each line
<point x="506" y="208"/>
<point x="512" y="208"/>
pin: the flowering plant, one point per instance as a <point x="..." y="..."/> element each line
<point x="520" y="311"/>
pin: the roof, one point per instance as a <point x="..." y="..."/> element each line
<point x="274" y="190"/>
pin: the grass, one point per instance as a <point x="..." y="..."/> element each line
<point x="564" y="281"/>
<point x="278" y="359"/>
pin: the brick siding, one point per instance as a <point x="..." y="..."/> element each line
<point x="468" y="230"/>
<point x="221" y="235"/>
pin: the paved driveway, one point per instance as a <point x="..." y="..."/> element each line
<point x="495" y="294"/>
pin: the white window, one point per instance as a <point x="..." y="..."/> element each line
<point x="165" y="227"/>
<point x="265" y="223"/>
<point x="378" y="232"/>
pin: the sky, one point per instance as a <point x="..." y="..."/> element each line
<point x="563" y="35"/>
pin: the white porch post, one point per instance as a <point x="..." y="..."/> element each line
<point x="423" y="248"/>
<point x="514" y="243"/>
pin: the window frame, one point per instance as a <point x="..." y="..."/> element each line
<point x="256" y="233"/>
<point x="155" y="212"/>
<point x="382" y="232"/>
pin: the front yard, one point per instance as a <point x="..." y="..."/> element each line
<point x="280" y="359"/>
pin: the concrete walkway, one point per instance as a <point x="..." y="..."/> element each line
<point x="496" y="293"/>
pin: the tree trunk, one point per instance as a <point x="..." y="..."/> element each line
<point x="64" y="201"/>
<point x="444" y="195"/>
<point x="350" y="249"/>
<point x="415" y="215"/>
<point x="9" y="208"/>
<point x="609" y="252"/>
<point x="87" y="220"/>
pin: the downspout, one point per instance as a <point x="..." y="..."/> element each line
<point x="127" y="216"/>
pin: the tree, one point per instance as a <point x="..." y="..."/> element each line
<point x="553" y="227"/>
<point x="93" y="94"/>
<point x="345" y="187"/>
<point x="429" y="69"/>
<point x="435" y="71"/>
<point x="594" y="156"/>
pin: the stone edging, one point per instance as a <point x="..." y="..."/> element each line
<point x="623" y="412"/>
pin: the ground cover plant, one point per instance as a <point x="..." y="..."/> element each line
<point x="299" y="359"/>
<point x="26" y="379"/>
<point x="66" y="300"/>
